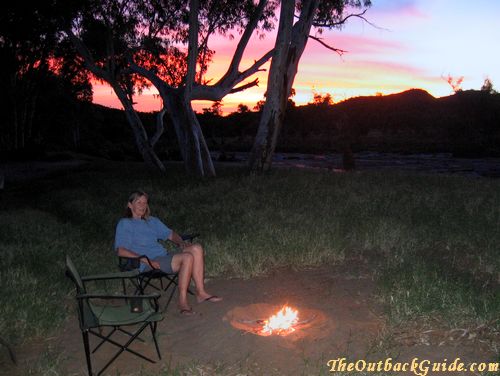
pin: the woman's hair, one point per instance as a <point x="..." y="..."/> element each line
<point x="134" y="196"/>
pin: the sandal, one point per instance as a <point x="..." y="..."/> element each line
<point x="212" y="299"/>
<point x="187" y="312"/>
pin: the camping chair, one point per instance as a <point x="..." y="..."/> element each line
<point x="147" y="278"/>
<point x="96" y="311"/>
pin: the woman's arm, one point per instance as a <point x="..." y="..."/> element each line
<point x="177" y="239"/>
<point x="124" y="252"/>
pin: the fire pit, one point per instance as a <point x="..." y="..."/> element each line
<point x="271" y="320"/>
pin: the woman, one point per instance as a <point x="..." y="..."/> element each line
<point x="138" y="233"/>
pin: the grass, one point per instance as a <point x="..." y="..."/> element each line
<point x="434" y="240"/>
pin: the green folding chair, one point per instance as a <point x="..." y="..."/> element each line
<point x="117" y="312"/>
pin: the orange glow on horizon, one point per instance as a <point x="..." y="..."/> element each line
<point x="340" y="89"/>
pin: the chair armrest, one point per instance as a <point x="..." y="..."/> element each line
<point x="185" y="237"/>
<point x="189" y="237"/>
<point x="117" y="275"/>
<point x="154" y="295"/>
<point x="138" y="258"/>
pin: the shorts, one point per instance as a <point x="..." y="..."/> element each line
<point x="165" y="263"/>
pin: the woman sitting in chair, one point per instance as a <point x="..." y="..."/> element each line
<point x="138" y="233"/>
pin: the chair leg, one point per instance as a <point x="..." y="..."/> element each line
<point x="124" y="287"/>
<point x="124" y="347"/>
<point x="104" y="339"/>
<point x="130" y="334"/>
<point x="145" y="282"/>
<point x="138" y="286"/>
<point x="170" y="297"/>
<point x="85" y="335"/>
<point x="153" y="327"/>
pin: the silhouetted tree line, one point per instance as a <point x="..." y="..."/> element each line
<point x="41" y="98"/>
<point x="466" y="123"/>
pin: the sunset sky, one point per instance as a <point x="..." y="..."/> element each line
<point x="415" y="44"/>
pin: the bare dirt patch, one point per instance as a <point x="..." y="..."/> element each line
<point x="352" y="325"/>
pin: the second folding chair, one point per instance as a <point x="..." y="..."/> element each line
<point x="125" y="314"/>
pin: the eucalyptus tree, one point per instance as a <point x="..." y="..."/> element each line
<point x="190" y="40"/>
<point x="290" y="44"/>
<point x="166" y="43"/>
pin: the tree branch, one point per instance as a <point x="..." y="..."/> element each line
<point x="87" y="57"/>
<point x="344" y="20"/>
<point x="232" y="70"/>
<point x="159" y="126"/>
<point x="254" y="68"/>
<point x="194" y="8"/>
<point x="339" y="51"/>
<point x="245" y="86"/>
<point x="219" y="90"/>
<point x="157" y="82"/>
<point x="163" y="89"/>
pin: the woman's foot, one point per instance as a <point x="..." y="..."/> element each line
<point x="185" y="310"/>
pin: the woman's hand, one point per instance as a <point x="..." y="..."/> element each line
<point x="150" y="263"/>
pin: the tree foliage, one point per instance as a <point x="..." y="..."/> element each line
<point x="488" y="86"/>
<point x="30" y="51"/>
<point x="322" y="99"/>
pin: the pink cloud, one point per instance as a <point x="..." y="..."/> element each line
<point x="354" y="45"/>
<point x="387" y="67"/>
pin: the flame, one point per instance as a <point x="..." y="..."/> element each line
<point x="282" y="323"/>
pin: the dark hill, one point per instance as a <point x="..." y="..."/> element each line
<point x="412" y="121"/>
<point x="407" y="98"/>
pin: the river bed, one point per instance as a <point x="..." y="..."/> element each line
<point x="439" y="163"/>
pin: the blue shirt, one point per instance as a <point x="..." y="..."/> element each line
<point x="141" y="236"/>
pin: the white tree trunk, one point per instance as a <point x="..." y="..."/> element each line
<point x="192" y="144"/>
<point x="277" y="94"/>
<point x="284" y="66"/>
<point x="140" y="135"/>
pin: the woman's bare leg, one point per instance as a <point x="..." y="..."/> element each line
<point x="198" y="273"/>
<point x="182" y="264"/>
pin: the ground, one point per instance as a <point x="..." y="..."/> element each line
<point x="353" y="325"/>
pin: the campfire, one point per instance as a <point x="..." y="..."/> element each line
<point x="282" y="323"/>
<point x="268" y="320"/>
